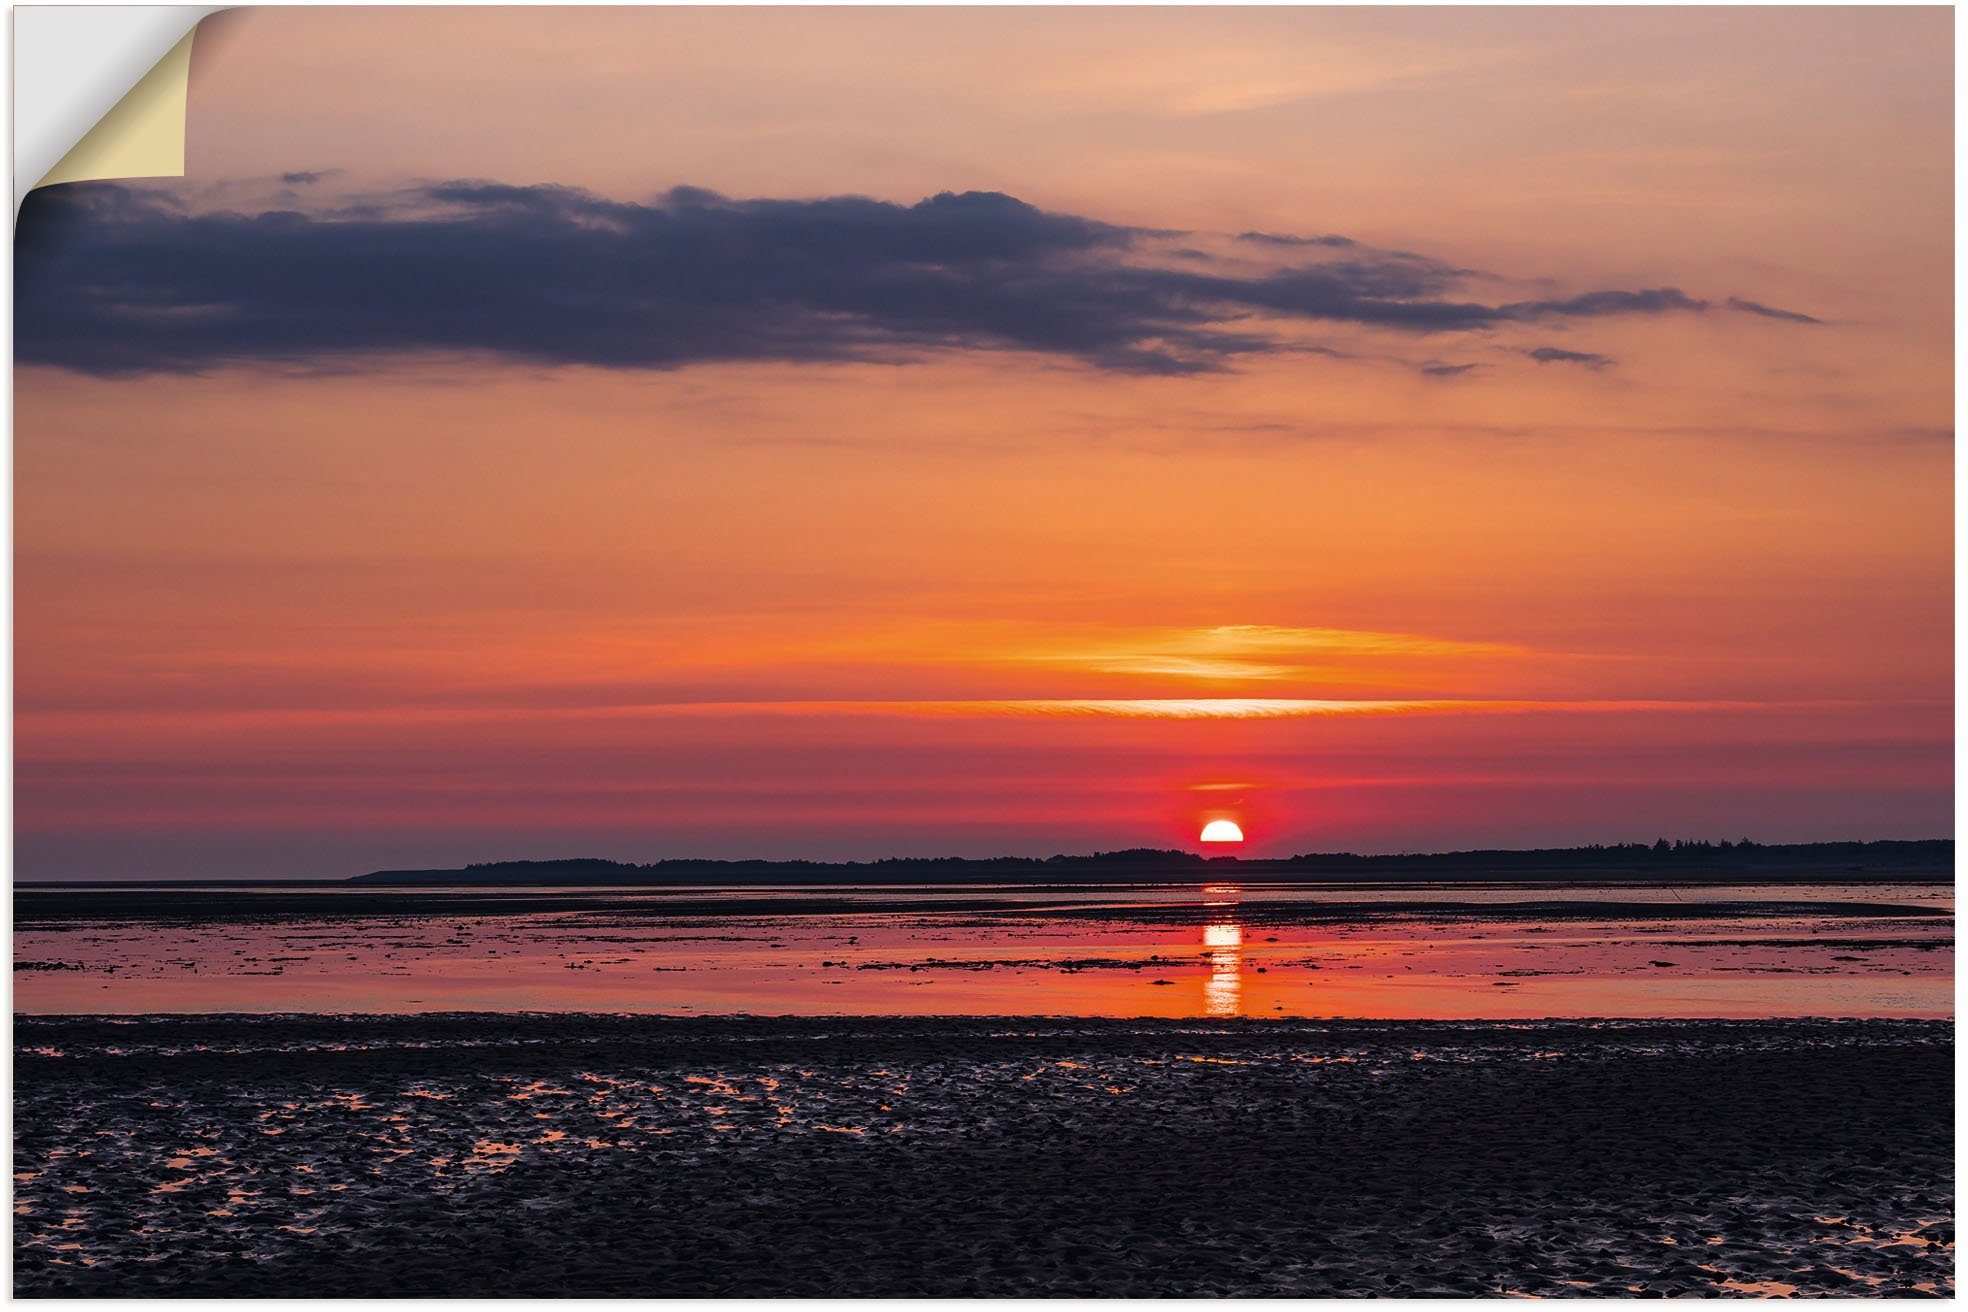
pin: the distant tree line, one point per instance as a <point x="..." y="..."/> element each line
<point x="1692" y="857"/>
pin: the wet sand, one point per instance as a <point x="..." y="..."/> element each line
<point x="452" y="1155"/>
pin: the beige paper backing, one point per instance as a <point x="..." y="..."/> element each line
<point x="144" y="135"/>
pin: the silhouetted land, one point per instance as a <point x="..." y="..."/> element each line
<point x="1019" y="886"/>
<point x="1898" y="860"/>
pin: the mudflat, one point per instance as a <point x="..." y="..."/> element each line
<point x="584" y="1154"/>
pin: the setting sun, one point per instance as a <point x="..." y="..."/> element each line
<point x="1222" y="831"/>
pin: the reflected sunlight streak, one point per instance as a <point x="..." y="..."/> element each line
<point x="1223" y="991"/>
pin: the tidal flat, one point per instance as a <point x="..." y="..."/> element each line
<point x="452" y="1154"/>
<point x="1467" y="1088"/>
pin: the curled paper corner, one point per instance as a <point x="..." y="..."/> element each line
<point x="78" y="118"/>
<point x="143" y="136"/>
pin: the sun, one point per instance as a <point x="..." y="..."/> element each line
<point x="1222" y="831"/>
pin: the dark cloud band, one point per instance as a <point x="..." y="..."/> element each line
<point x="113" y="280"/>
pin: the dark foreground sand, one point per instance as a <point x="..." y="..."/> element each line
<point x="502" y="1155"/>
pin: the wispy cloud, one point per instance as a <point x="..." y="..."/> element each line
<point x="1225" y="708"/>
<point x="1254" y="651"/>
<point x="1558" y="355"/>
<point x="114" y="280"/>
<point x="1770" y="312"/>
<point x="1055" y="708"/>
<point x="1286" y="239"/>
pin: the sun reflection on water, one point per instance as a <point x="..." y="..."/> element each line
<point x="1223" y="937"/>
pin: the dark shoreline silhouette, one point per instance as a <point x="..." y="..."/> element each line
<point x="1888" y="859"/>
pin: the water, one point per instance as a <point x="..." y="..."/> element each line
<point x="1419" y="951"/>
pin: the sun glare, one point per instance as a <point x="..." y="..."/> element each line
<point x="1222" y="831"/>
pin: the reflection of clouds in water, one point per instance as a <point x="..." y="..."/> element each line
<point x="1224" y="937"/>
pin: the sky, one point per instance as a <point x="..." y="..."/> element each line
<point x="844" y="433"/>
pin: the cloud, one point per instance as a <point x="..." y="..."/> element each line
<point x="1437" y="369"/>
<point x="1557" y="355"/>
<point x="114" y="280"/>
<point x="299" y="719"/>
<point x="1285" y="239"/>
<point x="1770" y="312"/>
<point x="1259" y="651"/>
<point x="1193" y="708"/>
<point x="1593" y="305"/>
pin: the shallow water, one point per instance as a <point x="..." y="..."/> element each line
<point x="1436" y="951"/>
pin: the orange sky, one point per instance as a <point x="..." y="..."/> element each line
<point x="296" y="617"/>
